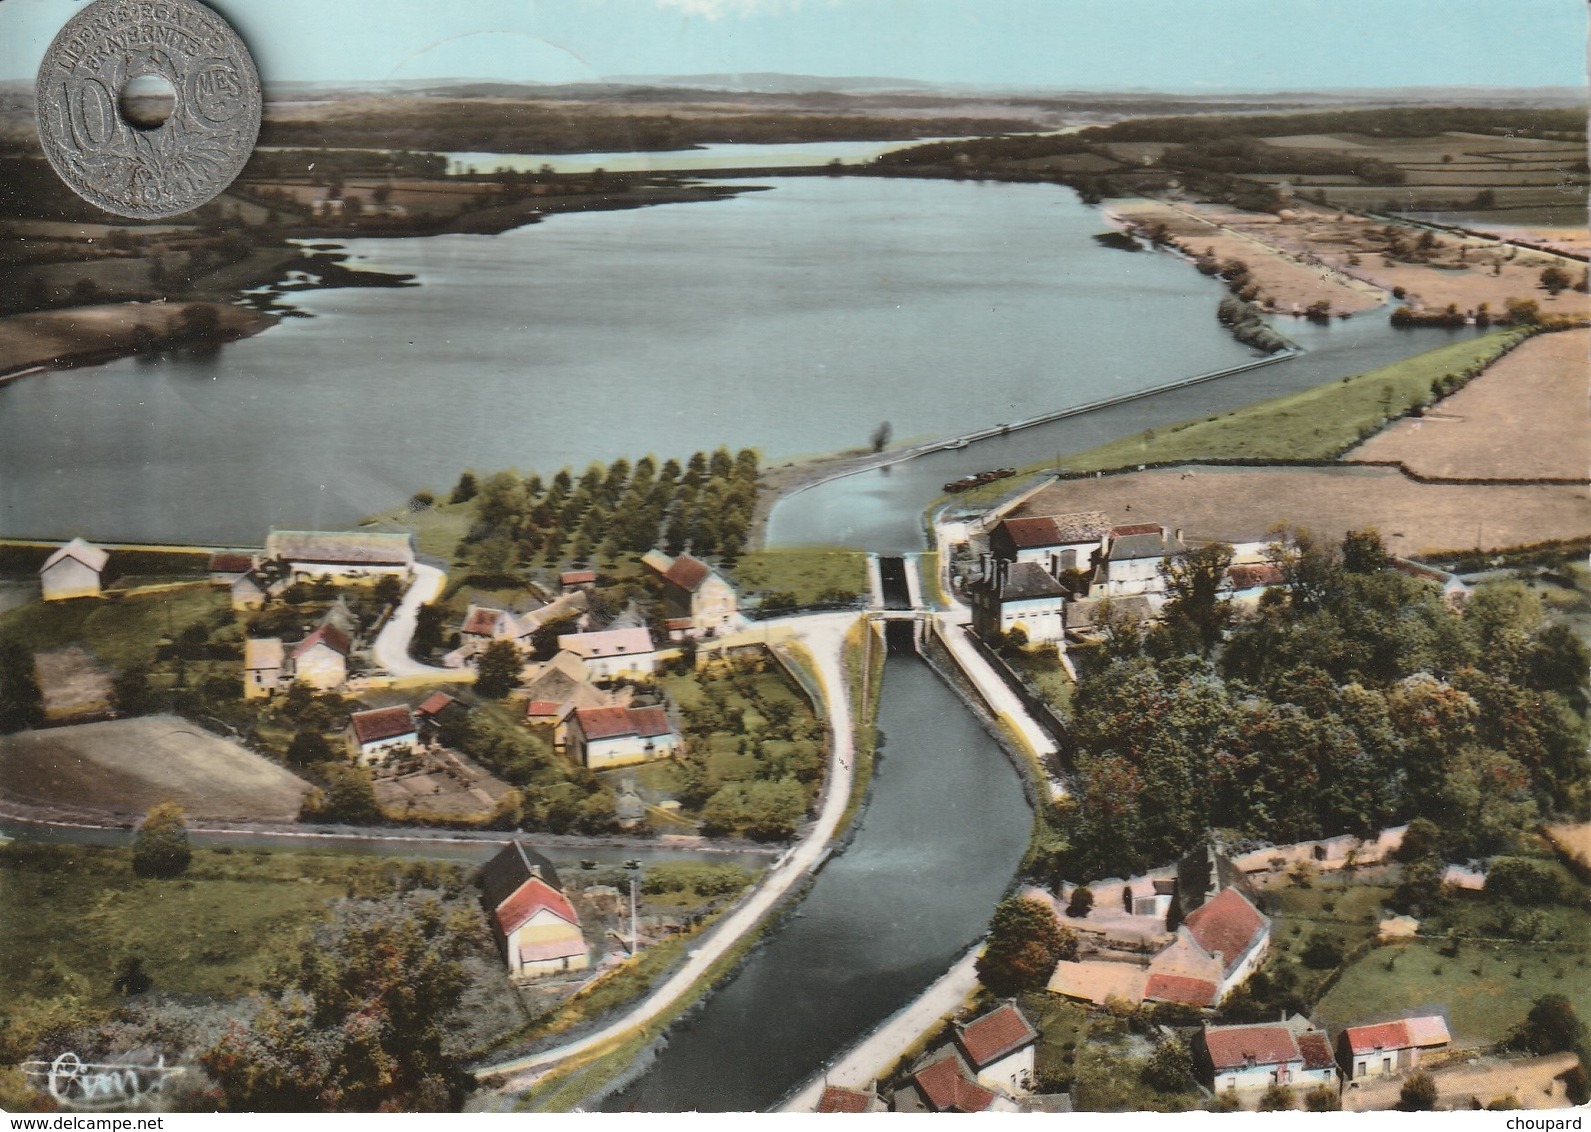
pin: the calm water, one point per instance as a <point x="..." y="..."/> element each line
<point x="938" y="844"/>
<point x="715" y="156"/>
<point x="794" y="320"/>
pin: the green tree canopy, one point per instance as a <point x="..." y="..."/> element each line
<point x="160" y="848"/>
<point x="497" y="672"/>
<point x="1025" y="943"/>
<point x="21" y="702"/>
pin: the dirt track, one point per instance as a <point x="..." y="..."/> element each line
<point x="126" y="766"/>
<point x="1525" y="417"/>
<point x="1241" y="504"/>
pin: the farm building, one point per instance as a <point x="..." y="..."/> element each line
<point x="692" y="589"/>
<point x="263" y="661"/>
<point x="1389" y="1048"/>
<point x="536" y="926"/>
<point x="1055" y="542"/>
<point x="1018" y="595"/>
<point x="73" y="571"/>
<point x="1255" y="1057"/>
<point x="614" y="653"/>
<point x="344" y="556"/>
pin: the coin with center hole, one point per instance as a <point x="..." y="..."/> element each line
<point x="148" y="171"/>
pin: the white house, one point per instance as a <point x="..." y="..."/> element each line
<point x="321" y="659"/>
<point x="614" y="652"/>
<point x="73" y="571"/>
<point x="1244" y="1058"/>
<point x="1018" y="595"/>
<point x="263" y="659"/>
<point x="1129" y="560"/>
<point x="341" y="556"/>
<point x="374" y="736"/>
<point x="619" y="736"/>
<point x="999" y="1048"/>
<point x="1390" y="1048"/>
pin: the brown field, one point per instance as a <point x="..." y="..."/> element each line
<point x="1574" y="841"/>
<point x="1534" y="1082"/>
<point x="73" y="682"/>
<point x="44" y="339"/>
<point x="1241" y="504"/>
<point x="1525" y="417"/>
<point x="124" y="767"/>
<point x="1257" y="240"/>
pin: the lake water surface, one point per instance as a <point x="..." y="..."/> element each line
<point x="793" y="320"/>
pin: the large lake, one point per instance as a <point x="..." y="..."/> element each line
<point x="794" y="320"/>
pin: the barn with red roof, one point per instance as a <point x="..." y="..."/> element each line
<point x="692" y="589"/>
<point x="1386" y="1049"/>
<point x="1289" y="1053"/>
<point x="620" y="736"/>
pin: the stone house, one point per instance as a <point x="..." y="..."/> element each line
<point x="321" y="659"/>
<point x="1018" y="595"/>
<point x="1129" y="560"/>
<point x="693" y="589"/>
<point x="1387" y="1049"/>
<point x="263" y="661"/>
<point x="620" y="736"/>
<point x="1055" y="542"/>
<point x="614" y="653"/>
<point x="1255" y="1057"/>
<point x="534" y="922"/>
<point x="73" y="571"/>
<point x="374" y="736"/>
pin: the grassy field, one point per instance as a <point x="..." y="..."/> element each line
<point x="119" y="631"/>
<point x="1315" y="424"/>
<point x="437" y="529"/>
<point x="809" y="573"/>
<point x="1487" y="988"/>
<point x="72" y="914"/>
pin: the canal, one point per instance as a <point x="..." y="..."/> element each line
<point x="937" y="846"/>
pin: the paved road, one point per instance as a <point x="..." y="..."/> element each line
<point x="391" y="650"/>
<point x="823" y="636"/>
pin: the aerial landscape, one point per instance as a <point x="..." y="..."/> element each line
<point x="761" y="556"/>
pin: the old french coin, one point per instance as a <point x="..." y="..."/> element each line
<point x="171" y="168"/>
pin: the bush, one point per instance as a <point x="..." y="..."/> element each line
<point x="1322" y="952"/>
<point x="1418" y="1093"/>
<point x="161" y="846"/>
<point x="1322" y="1098"/>
<point x="1523" y="881"/>
<point x="1082" y="902"/>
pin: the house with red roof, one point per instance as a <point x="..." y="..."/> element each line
<point x="321" y="659"/>
<point x="692" y="589"/>
<point x="620" y="736"/>
<point x="1231" y="930"/>
<point x="944" y="1084"/>
<point x="1386" y="1049"/>
<point x="228" y="567"/>
<point x="535" y="923"/>
<point x="571" y="580"/>
<point x="375" y="736"/>
<point x="1242" y="1058"/>
<point x="1053" y="542"/>
<point x="838" y="1098"/>
<point x="999" y="1047"/>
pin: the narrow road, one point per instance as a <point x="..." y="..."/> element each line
<point x="391" y="650"/>
<point x="823" y="636"/>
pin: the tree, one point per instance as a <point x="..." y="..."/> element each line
<point x="881" y="436"/>
<point x="1421" y="839"/>
<point x="1418" y="1093"/>
<point x="1322" y="1098"/>
<point x="389" y="590"/>
<point x="1193" y="591"/>
<point x="428" y="624"/>
<point x="349" y="796"/>
<point x="1082" y="902"/>
<point x="1363" y="552"/>
<point x="358" y="1021"/>
<point x="1551" y="1027"/>
<point x="465" y="490"/>
<point x="497" y="672"/>
<point x="1323" y="952"/>
<point x="21" y="702"/>
<point x="1025" y="943"/>
<point x="1170" y="1067"/>
<point x="1554" y="279"/>
<point x="131" y="694"/>
<point x="160" y="848"/>
<point x="308" y="747"/>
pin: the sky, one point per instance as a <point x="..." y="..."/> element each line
<point x="1172" y="45"/>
